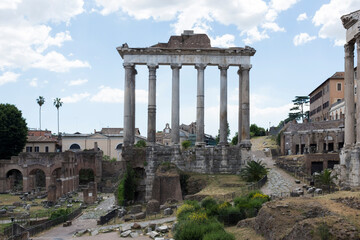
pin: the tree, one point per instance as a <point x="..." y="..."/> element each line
<point x="58" y="103"/>
<point x="256" y="131"/>
<point x="186" y="144"/>
<point x="253" y="171"/>
<point x="325" y="179"/>
<point x="298" y="108"/>
<point x="141" y="144"/>
<point x="217" y="138"/>
<point x="235" y="139"/>
<point x="13" y="131"/>
<point x="40" y="101"/>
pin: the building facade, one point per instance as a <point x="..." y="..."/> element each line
<point x="109" y="140"/>
<point x="40" y="141"/>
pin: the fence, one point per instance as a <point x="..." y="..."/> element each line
<point x="41" y="227"/>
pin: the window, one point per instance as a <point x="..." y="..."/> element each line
<point x="46" y="149"/>
<point x="28" y="149"/>
<point x="339" y="86"/>
<point x="36" y="149"/>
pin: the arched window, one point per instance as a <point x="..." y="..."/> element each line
<point x="119" y="147"/>
<point x="75" y="147"/>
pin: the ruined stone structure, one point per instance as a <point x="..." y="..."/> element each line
<point x="194" y="50"/>
<point x="312" y="137"/>
<point x="58" y="173"/>
<point x="349" y="168"/>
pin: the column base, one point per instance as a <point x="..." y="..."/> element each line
<point x="245" y="144"/>
<point x="200" y="144"/>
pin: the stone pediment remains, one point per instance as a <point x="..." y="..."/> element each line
<point x="350" y="19"/>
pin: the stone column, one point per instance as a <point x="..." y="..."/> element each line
<point x="336" y="142"/>
<point x="240" y="107"/>
<point x="129" y="69"/>
<point x="223" y="104"/>
<point x="309" y="142"/>
<point x="349" y="95"/>
<point x="151" y="133"/>
<point x="133" y="103"/>
<point x="358" y="88"/>
<point x="326" y="141"/>
<point x="245" y="96"/>
<point x="175" y="104"/>
<point x="200" y="105"/>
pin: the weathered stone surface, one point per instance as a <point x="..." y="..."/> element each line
<point x="134" y="235"/>
<point x="162" y="229"/>
<point x="141" y="215"/>
<point x="153" y="234"/>
<point x="153" y="206"/>
<point x="135" y="209"/>
<point x="126" y="233"/>
<point x="168" y="211"/>
<point x="136" y="226"/>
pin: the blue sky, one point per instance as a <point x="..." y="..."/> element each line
<point x="67" y="49"/>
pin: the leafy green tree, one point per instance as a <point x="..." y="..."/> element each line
<point x="325" y="179"/>
<point x="141" y="144"/>
<point x="235" y="139"/>
<point x="217" y="138"/>
<point x="13" y="131"/>
<point x="40" y="101"/>
<point x="298" y="108"/>
<point x="253" y="171"/>
<point x="127" y="186"/>
<point x="58" y="103"/>
<point x="256" y="131"/>
<point x="186" y="144"/>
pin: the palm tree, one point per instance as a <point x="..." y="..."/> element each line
<point x="40" y="101"/>
<point x="58" y="103"/>
<point x="253" y="171"/>
<point x="326" y="179"/>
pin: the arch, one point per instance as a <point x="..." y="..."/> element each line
<point x="119" y="147"/>
<point x="38" y="178"/>
<point x="86" y="175"/>
<point x="75" y="147"/>
<point x="14" y="179"/>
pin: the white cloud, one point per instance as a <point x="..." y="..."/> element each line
<point x="199" y="15"/>
<point x="302" y="17"/>
<point x="77" y="82"/>
<point x="116" y="95"/>
<point x="8" y="77"/>
<point x="9" y="4"/>
<point x="328" y="19"/>
<point x="224" y="41"/>
<point x="33" y="82"/>
<point x="303" y="38"/>
<point x="25" y="35"/>
<point x="76" y="97"/>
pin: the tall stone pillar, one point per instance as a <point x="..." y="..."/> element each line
<point x="129" y="104"/>
<point x="240" y="107"/>
<point x="223" y="104"/>
<point x="175" y="104"/>
<point x="151" y="134"/>
<point x="358" y="87"/>
<point x="245" y="96"/>
<point x="200" y="105"/>
<point x="349" y="95"/>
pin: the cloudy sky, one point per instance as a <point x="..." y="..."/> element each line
<point x="67" y="49"/>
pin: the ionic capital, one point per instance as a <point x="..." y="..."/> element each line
<point x="200" y="66"/>
<point x="175" y="65"/>
<point x="128" y="65"/>
<point x="245" y="67"/>
<point x="153" y="66"/>
<point x="223" y="66"/>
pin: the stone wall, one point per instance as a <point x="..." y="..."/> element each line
<point x="210" y="160"/>
<point x="111" y="173"/>
<point x="349" y="168"/>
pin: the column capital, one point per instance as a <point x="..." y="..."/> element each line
<point x="128" y="65"/>
<point x="349" y="49"/>
<point x="153" y="66"/>
<point x="175" y="65"/>
<point x="223" y="66"/>
<point x="200" y="66"/>
<point x="245" y="67"/>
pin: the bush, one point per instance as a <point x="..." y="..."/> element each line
<point x="186" y="144"/>
<point x="219" y="235"/>
<point x="230" y="216"/>
<point x="60" y="213"/>
<point x="127" y="187"/>
<point x="253" y="171"/>
<point x="140" y="144"/>
<point x="208" y="202"/>
<point x="190" y="230"/>
<point x="251" y="203"/>
<point x="184" y="211"/>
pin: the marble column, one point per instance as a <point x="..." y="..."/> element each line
<point x="240" y="106"/>
<point x="151" y="133"/>
<point x="133" y="104"/>
<point x="175" y="104"/>
<point x="223" y="105"/>
<point x="245" y="96"/>
<point x="358" y="91"/>
<point x="349" y="95"/>
<point x="200" y="105"/>
<point x="128" y="117"/>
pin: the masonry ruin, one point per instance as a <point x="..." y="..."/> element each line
<point x="194" y="50"/>
<point x="349" y="168"/>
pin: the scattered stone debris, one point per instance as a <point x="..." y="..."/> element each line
<point x="351" y="202"/>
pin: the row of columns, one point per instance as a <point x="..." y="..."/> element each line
<point x="129" y="104"/>
<point x="306" y="140"/>
<point x="351" y="136"/>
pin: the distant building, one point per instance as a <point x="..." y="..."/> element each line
<point x="109" y="140"/>
<point x="40" y="141"/>
<point x="330" y="92"/>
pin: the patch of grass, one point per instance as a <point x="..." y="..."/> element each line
<point x="244" y="233"/>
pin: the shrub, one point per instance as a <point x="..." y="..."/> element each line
<point x="141" y="144"/>
<point x="251" y="203"/>
<point x="198" y="217"/>
<point x="208" y="202"/>
<point x="186" y="144"/>
<point x="219" y="235"/>
<point x="127" y="187"/>
<point x="184" y="211"/>
<point x="120" y="193"/>
<point x="60" y="213"/>
<point x="230" y="216"/>
<point x="189" y="230"/>
<point x="253" y="171"/>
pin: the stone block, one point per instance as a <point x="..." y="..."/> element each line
<point x="162" y="229"/>
<point x="168" y="211"/>
<point x="153" y="206"/>
<point x="141" y="215"/>
<point x="134" y="235"/>
<point x="153" y="234"/>
<point x="136" y="226"/>
<point x="135" y="209"/>
<point x="126" y="233"/>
